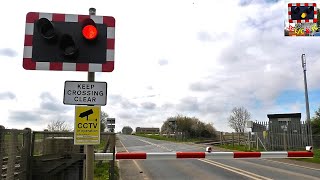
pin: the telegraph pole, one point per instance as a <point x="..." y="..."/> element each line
<point x="304" y="67"/>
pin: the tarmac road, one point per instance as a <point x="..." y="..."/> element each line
<point x="203" y="168"/>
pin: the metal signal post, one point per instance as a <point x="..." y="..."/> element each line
<point x="90" y="148"/>
<point x="304" y="66"/>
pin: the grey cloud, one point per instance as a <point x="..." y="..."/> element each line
<point x="141" y="116"/>
<point x="125" y="115"/>
<point x="115" y="98"/>
<point x="148" y="105"/>
<point x="147" y="96"/>
<point x="189" y="104"/>
<point x="50" y="103"/>
<point x="245" y="2"/>
<point x="203" y="86"/>
<point x="24" y="116"/>
<point x="263" y="60"/>
<point x="167" y="106"/>
<point x="134" y="115"/>
<point x="8" y="52"/>
<point x="250" y="2"/>
<point x="163" y="62"/>
<point x="128" y="105"/>
<point x="122" y="101"/>
<point x="7" y="95"/>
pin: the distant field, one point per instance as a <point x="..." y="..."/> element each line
<point x="165" y="138"/>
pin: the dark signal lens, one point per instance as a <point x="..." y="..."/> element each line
<point x="89" y="32"/>
<point x="68" y="46"/>
<point x="46" y="28"/>
<point x="296" y="10"/>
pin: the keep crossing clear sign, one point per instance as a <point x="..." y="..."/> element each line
<point x="87" y="125"/>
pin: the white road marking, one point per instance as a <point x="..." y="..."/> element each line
<point x="229" y="168"/>
<point x="236" y="170"/>
<point x="292" y="165"/>
<point x="135" y="162"/>
<point x="159" y="146"/>
<point x="283" y="171"/>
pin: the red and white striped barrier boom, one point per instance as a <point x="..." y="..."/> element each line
<point x="203" y="155"/>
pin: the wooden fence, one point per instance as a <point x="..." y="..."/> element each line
<point x="26" y="154"/>
<point x="14" y="153"/>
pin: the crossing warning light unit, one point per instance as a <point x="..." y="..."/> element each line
<point x="69" y="42"/>
<point x="302" y="12"/>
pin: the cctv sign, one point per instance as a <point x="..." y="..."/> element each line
<point x="87" y="125"/>
<point x="85" y="93"/>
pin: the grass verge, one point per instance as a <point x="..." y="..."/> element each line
<point x="239" y="148"/>
<point x="159" y="137"/>
<point x="101" y="170"/>
<point x="315" y="159"/>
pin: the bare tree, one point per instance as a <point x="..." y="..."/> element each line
<point x="238" y="118"/>
<point x="58" y="125"/>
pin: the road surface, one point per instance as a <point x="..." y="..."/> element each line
<point x="202" y="168"/>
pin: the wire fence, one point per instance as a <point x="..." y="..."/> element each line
<point x="283" y="135"/>
<point x="280" y="136"/>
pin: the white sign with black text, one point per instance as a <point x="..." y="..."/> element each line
<point x="85" y="93"/>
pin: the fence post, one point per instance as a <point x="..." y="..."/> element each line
<point x="2" y="134"/>
<point x="12" y="155"/>
<point x="113" y="159"/>
<point x="239" y="143"/>
<point x="26" y="152"/>
<point x="232" y="139"/>
<point x="257" y="141"/>
<point x="249" y="139"/>
<point x="285" y="141"/>
<point x="221" y="143"/>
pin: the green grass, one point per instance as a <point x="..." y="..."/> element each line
<point x="101" y="171"/>
<point x="240" y="148"/>
<point x="100" y="146"/>
<point x="159" y="137"/>
<point x="315" y="159"/>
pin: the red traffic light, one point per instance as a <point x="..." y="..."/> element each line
<point x="89" y="32"/>
<point x="89" y="29"/>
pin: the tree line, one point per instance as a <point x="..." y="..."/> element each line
<point x="190" y="126"/>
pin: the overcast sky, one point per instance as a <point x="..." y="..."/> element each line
<point x="195" y="58"/>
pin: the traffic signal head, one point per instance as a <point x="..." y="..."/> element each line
<point x="302" y="12"/>
<point x="83" y="42"/>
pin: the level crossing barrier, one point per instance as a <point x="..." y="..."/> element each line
<point x="202" y="155"/>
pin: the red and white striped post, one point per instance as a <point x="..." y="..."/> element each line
<point x="203" y="155"/>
